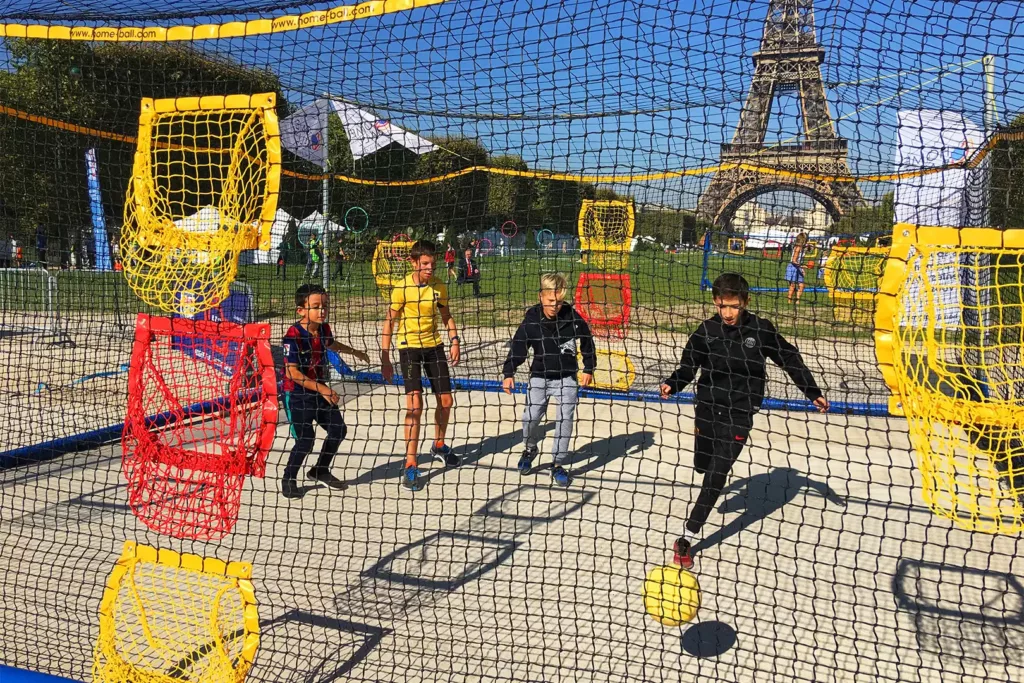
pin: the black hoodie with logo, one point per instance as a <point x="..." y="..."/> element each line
<point x="553" y="341"/>
<point x="731" y="360"/>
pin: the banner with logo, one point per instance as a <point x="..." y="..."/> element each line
<point x="929" y="139"/>
<point x="101" y="244"/>
<point x="367" y="134"/>
<point x="304" y="133"/>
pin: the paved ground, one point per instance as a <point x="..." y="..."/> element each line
<point x="822" y="563"/>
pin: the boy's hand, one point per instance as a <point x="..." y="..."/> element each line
<point x="385" y="367"/>
<point x="665" y="391"/>
<point x="586" y="379"/>
<point x="361" y="355"/>
<point x="330" y="394"/>
<point x="508" y="384"/>
<point x="821" y="403"/>
<point x="454" y="354"/>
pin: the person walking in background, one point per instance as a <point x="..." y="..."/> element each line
<point x="469" y="271"/>
<point x="41" y="246"/>
<point x="449" y="262"/>
<point x="341" y="256"/>
<point x="7" y="252"/>
<point x="795" y="269"/>
<point x="315" y="256"/>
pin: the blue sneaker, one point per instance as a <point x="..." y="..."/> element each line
<point x="446" y="455"/>
<point x="526" y="461"/>
<point x="560" y="476"/>
<point x="411" y="478"/>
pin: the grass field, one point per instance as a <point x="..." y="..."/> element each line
<point x="666" y="292"/>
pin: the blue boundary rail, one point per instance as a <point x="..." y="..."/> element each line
<point x="9" y="674"/>
<point x="48" y="450"/>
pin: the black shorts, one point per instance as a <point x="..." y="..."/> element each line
<point x="430" y="362"/>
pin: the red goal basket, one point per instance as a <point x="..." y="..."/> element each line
<point x="202" y="414"/>
<point x="605" y="301"/>
<point x="772" y="250"/>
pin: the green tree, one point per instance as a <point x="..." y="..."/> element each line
<point x="99" y="86"/>
<point x="558" y="203"/>
<point x="1007" y="190"/>
<point x="510" y="197"/>
<point x="459" y="203"/>
<point x="868" y="219"/>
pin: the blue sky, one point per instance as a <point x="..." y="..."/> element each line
<point x="572" y="67"/>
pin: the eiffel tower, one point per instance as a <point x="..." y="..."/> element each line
<point x="789" y="59"/>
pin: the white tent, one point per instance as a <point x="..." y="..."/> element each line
<point x="278" y="231"/>
<point x="207" y="219"/>
<point x="317" y="223"/>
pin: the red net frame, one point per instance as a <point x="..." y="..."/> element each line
<point x="605" y="301"/>
<point x="202" y="414"/>
<point x="772" y="250"/>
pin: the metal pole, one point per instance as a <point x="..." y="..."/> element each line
<point x="326" y="201"/>
<point x="991" y="114"/>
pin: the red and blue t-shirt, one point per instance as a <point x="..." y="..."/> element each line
<point x="309" y="352"/>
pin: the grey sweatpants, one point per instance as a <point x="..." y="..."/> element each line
<point x="541" y="391"/>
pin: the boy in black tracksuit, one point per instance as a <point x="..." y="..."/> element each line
<point x="551" y="329"/>
<point x="729" y="350"/>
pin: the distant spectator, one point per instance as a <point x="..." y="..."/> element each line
<point x="449" y="262"/>
<point x="7" y="252"/>
<point x="41" y="246"/>
<point x="469" y="271"/>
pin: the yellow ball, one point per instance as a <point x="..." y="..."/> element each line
<point x="671" y="595"/>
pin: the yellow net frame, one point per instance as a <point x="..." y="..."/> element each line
<point x="606" y="230"/>
<point x="614" y="370"/>
<point x="391" y="264"/>
<point x="960" y="386"/>
<point x="737" y="246"/>
<point x="851" y="278"/>
<point x="168" y="617"/>
<point x="204" y="188"/>
<point x="605" y="224"/>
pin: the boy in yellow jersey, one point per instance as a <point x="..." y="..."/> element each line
<point x="415" y="304"/>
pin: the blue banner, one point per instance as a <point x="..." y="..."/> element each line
<point x="99" y="224"/>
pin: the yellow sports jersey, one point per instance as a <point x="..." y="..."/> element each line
<point x="418" y="309"/>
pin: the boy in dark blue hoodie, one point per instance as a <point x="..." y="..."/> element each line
<point x="552" y="329"/>
<point x="729" y="351"/>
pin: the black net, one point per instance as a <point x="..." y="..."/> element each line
<point x="774" y="139"/>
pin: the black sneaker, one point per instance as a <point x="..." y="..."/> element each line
<point x="289" y="489"/>
<point x="324" y="476"/>
<point x="446" y="455"/>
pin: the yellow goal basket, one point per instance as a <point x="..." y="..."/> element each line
<point x="614" y="370"/>
<point x="606" y="231"/>
<point x="949" y="337"/>
<point x="851" y="278"/>
<point x="169" y="617"/>
<point x="204" y="188"/>
<point x="391" y="264"/>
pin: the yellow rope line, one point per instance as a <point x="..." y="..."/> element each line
<point x="970" y="162"/>
<point x="230" y="29"/>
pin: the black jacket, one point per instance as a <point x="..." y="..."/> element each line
<point x="468" y="272"/>
<point x="731" y="361"/>
<point x="553" y="342"/>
